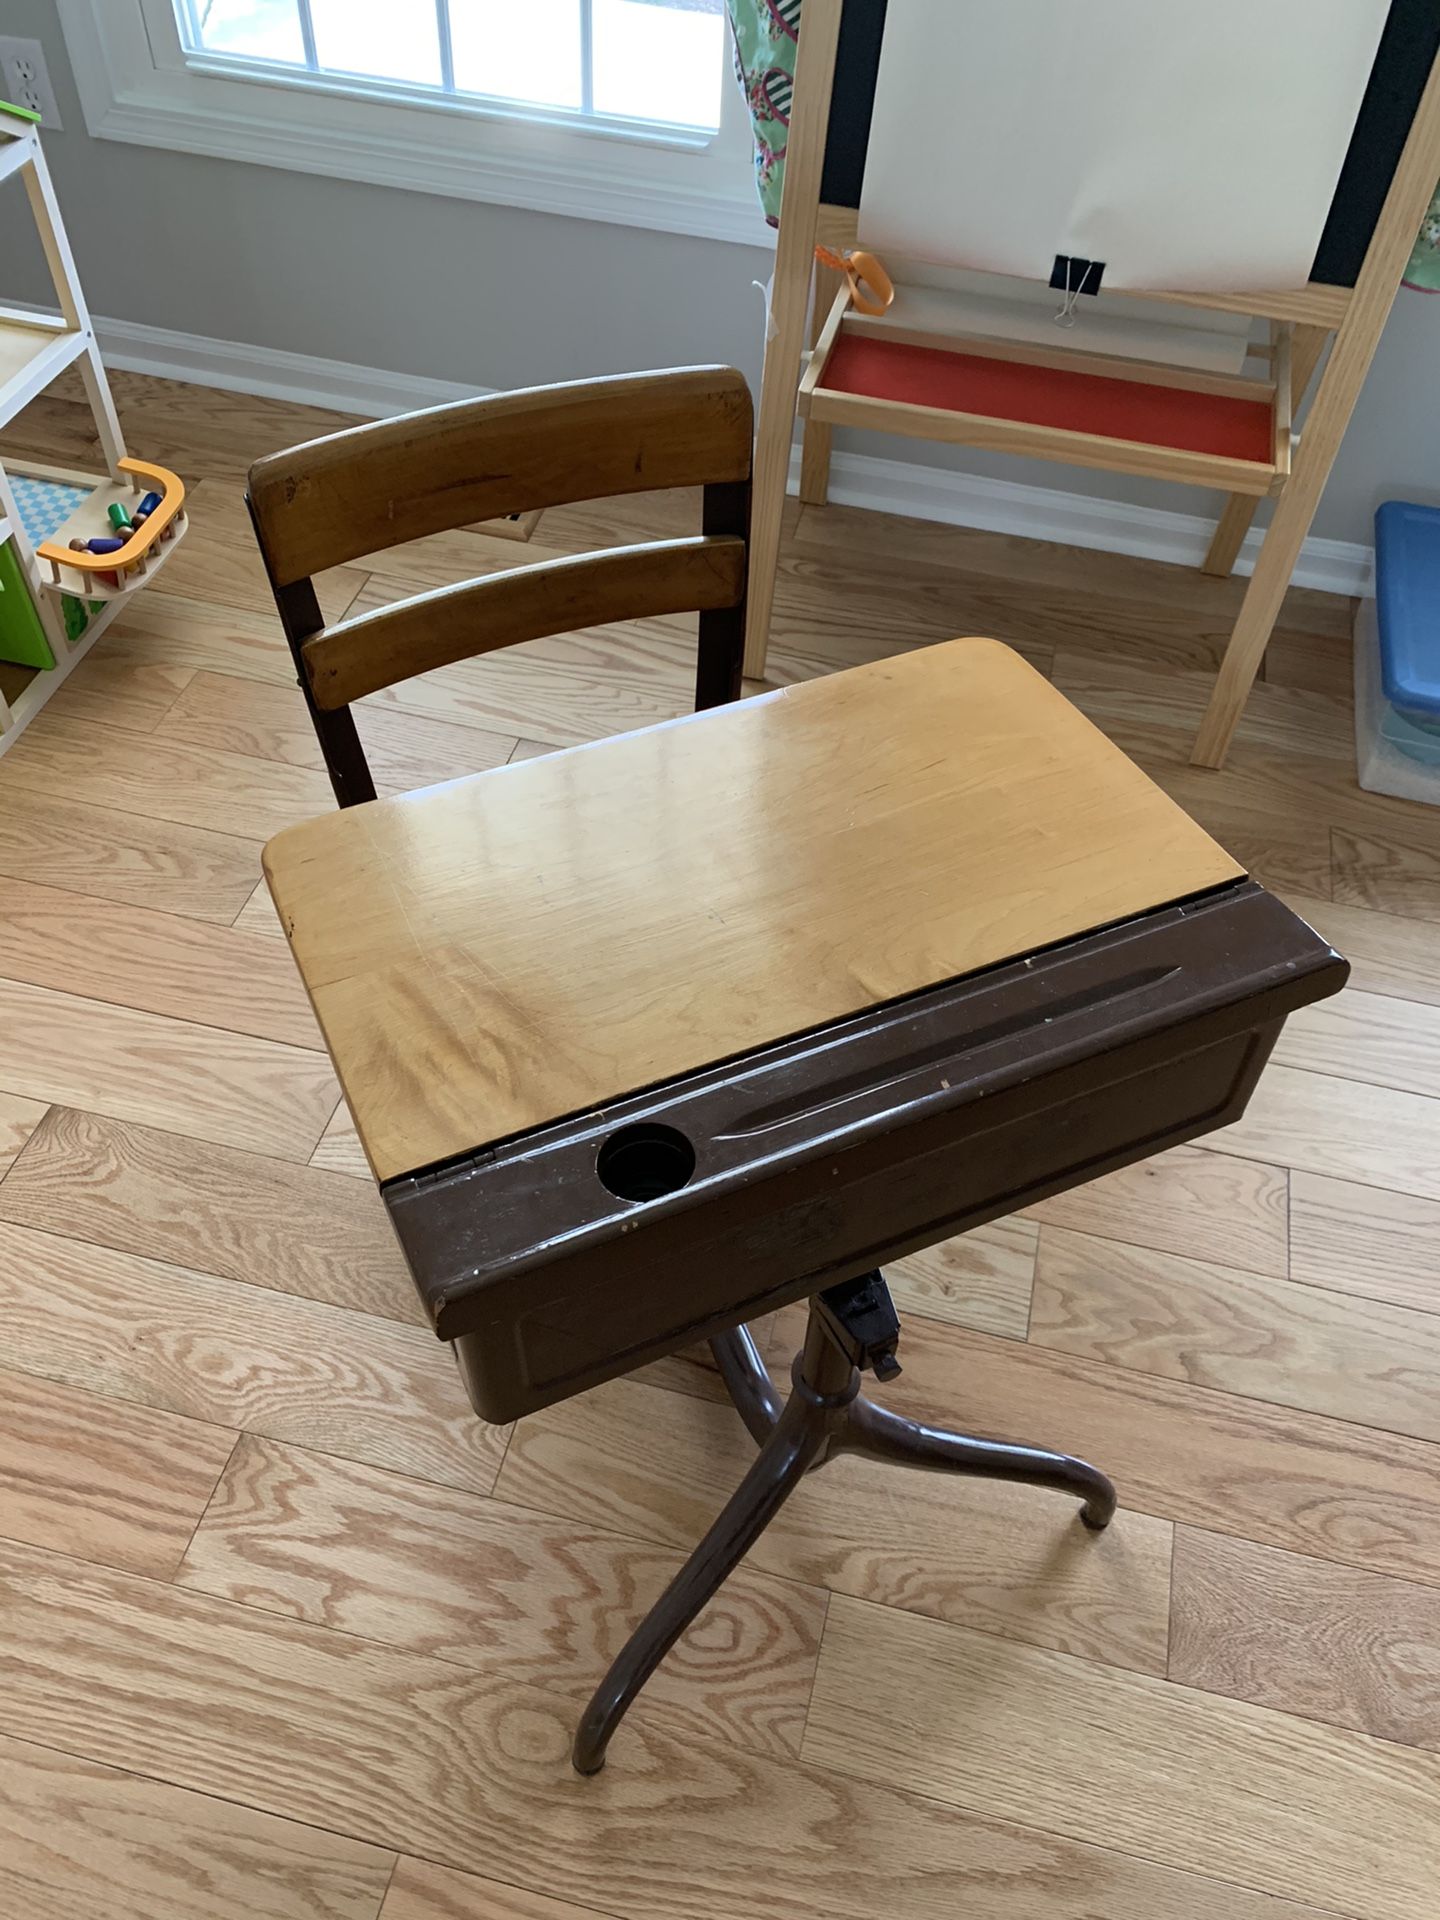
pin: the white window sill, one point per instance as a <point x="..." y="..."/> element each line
<point x="135" y="86"/>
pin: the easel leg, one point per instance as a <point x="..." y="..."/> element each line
<point x="1230" y="532"/>
<point x="1259" y="611"/>
<point x="772" y="474"/>
<point x="819" y="434"/>
<point x="794" y="264"/>
<point x="1241" y="508"/>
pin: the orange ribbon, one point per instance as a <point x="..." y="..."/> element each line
<point x="871" y="288"/>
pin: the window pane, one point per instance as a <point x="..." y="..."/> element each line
<point x="254" y="29"/>
<point x="660" y="60"/>
<point x="378" y="38"/>
<point x="529" y="53"/>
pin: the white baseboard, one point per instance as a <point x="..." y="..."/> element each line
<point x="857" y="480"/>
<point x="271" y="372"/>
<point x="1070" y="519"/>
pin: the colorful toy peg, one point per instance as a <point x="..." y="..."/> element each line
<point x="118" y="515"/>
<point x="147" y="505"/>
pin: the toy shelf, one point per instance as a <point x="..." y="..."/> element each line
<point x="1059" y="403"/>
<point x="56" y="602"/>
<point x="34" y="349"/>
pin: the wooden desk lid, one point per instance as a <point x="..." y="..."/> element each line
<point x="504" y="950"/>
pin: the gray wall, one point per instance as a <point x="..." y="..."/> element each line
<point x="497" y="296"/>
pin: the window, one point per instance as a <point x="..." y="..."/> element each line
<point x="617" y="110"/>
<point x="652" y="63"/>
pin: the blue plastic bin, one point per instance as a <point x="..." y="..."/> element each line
<point x="1397" y="658"/>
<point x="1407" y="595"/>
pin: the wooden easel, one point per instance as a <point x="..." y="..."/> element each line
<point x="1304" y="322"/>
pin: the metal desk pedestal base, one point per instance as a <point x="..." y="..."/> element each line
<point x="824" y="1415"/>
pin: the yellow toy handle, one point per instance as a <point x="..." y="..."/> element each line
<point x="871" y="288"/>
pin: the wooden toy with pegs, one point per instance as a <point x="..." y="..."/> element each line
<point x="73" y="546"/>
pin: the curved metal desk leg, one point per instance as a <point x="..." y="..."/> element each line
<point x="747" y="1381"/>
<point x="778" y="1469"/>
<point x="882" y="1435"/>
<point x="825" y="1386"/>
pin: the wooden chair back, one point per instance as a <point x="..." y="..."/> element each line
<point x="368" y="488"/>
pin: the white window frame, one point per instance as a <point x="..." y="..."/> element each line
<point x="138" y="83"/>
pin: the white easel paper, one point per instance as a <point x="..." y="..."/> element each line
<point x="1187" y="144"/>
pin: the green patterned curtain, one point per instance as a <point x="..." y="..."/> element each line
<point x="1424" y="268"/>
<point x="766" y="33"/>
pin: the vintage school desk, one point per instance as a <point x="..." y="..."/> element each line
<point x="646" y="1038"/>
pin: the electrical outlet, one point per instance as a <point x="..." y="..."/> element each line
<point x="25" y="80"/>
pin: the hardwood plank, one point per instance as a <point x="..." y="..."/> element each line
<point x="340" y="1150"/>
<point x="159" y="963"/>
<point x="219" y="560"/>
<point x="1365" y="1241"/>
<point x="1285" y="846"/>
<point x="224" y="714"/>
<point x="93" y="849"/>
<point x="1293" y="788"/>
<point x="482" y="1584"/>
<point x="842" y="611"/>
<point x="1081" y="571"/>
<point x="1302" y="1481"/>
<point x="1367" y="1036"/>
<point x="207" y="432"/>
<point x="1395" y="872"/>
<point x="980" y="1279"/>
<point x="267" y="1363"/>
<point x="169" y="630"/>
<point x="1337" y="1644"/>
<point x="18" y="1120"/>
<point x="117" y="1483"/>
<point x="258" y="914"/>
<point x="1163" y="706"/>
<point x="422" y="1891"/>
<point x="220" y="792"/>
<point x="1379" y="1136"/>
<point x="1387" y="954"/>
<point x="1323" y="662"/>
<point x="1213" y="1326"/>
<point x="467" y="553"/>
<point x="220" y="1086"/>
<point x="471" y="1771"/>
<point x="1007" y="1559"/>
<point x="243" y="1216"/>
<point x="615" y="522"/>
<point x="1185" y="1779"/>
<point x="78" y="1840"/>
<point x="1294" y="793"/>
<point x="134" y="695"/>
<point x="1188" y="1198"/>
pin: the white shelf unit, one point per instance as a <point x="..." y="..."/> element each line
<point x="35" y="349"/>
